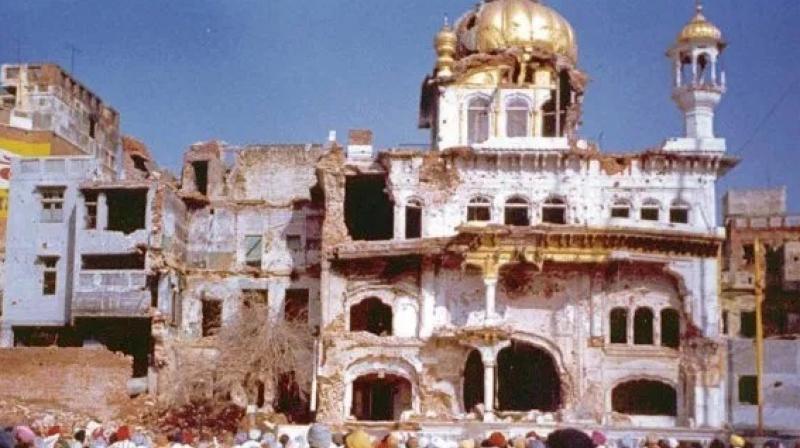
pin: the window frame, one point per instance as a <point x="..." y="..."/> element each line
<point x="476" y="204"/>
<point x="620" y="204"/>
<point x="515" y="204"/>
<point x="51" y="201"/>
<point x="249" y="260"/>
<point x="650" y="205"/>
<point x="49" y="274"/>
<point x="479" y="121"/>
<point x="682" y="207"/>
<point x="522" y="106"/>
<point x="554" y="203"/>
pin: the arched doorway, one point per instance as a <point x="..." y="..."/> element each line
<point x="473" y="381"/>
<point x="380" y="397"/>
<point x="644" y="397"/>
<point x="527" y="379"/>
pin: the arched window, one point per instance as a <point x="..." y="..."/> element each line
<point x="554" y="211"/>
<point x="618" y="326"/>
<point x="679" y="212"/>
<point x="621" y="209"/>
<point x="517" y="212"/>
<point x="517" y="113"/>
<point x="643" y="326"/>
<point x="478" y="120"/>
<point x="644" y="397"/>
<point x="479" y="209"/>
<point x="670" y="328"/>
<point x="650" y="210"/>
<point x="373" y="316"/>
<point x="413" y="219"/>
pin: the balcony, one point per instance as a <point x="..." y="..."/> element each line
<point x="111" y="293"/>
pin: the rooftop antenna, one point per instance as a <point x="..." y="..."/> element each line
<point x="73" y="50"/>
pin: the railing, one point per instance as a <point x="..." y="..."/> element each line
<point x="766" y="222"/>
<point x="111" y="293"/>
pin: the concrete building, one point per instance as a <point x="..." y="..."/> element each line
<point x="510" y="274"/>
<point x="762" y="215"/>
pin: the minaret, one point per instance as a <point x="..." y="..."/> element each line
<point x="699" y="82"/>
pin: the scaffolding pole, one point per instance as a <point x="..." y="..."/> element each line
<point x="758" y="252"/>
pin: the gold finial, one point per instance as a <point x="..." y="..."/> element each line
<point x="446" y="21"/>
<point x="698" y="6"/>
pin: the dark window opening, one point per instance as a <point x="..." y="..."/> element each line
<point x="473" y="381"/>
<point x="373" y="316"/>
<point x="369" y="214"/>
<point x="725" y="324"/>
<point x="670" y="328"/>
<point x="748" y="254"/>
<point x="291" y="401"/>
<point x="679" y="215"/>
<point x="517" y="365"/>
<point x="650" y="212"/>
<point x="126" y="210"/>
<point x="139" y="163"/>
<point x="90" y="199"/>
<point x="620" y="210"/>
<point x="133" y="261"/>
<point x="618" y="322"/>
<point x="747" y="324"/>
<point x="643" y="326"/>
<point x="748" y="389"/>
<point x="295" y="305"/>
<point x="554" y="211"/>
<point x="260" y="394"/>
<point x="201" y="176"/>
<point x="212" y="317"/>
<point x="479" y="209"/>
<point x="92" y="126"/>
<point x="517" y="212"/>
<point x="129" y="336"/>
<point x="49" y="275"/>
<point x="380" y="397"/>
<point x="413" y="220"/>
<point x="644" y="397"/>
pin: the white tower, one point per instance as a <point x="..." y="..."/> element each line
<point x="699" y="83"/>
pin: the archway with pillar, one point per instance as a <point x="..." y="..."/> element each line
<point x="380" y="388"/>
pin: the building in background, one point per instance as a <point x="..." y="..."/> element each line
<point x="752" y="215"/>
<point x="46" y="112"/>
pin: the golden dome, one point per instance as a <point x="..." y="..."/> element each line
<point x="699" y="29"/>
<point x="527" y="24"/>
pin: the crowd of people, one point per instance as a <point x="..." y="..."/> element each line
<point x="96" y="435"/>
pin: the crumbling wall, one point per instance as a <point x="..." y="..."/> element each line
<point x="756" y="202"/>
<point x="85" y="380"/>
<point x="278" y="175"/>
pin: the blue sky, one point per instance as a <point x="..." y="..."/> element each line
<point x="250" y="71"/>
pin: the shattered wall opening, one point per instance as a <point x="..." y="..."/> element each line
<point x="131" y="336"/>
<point x="127" y="210"/>
<point x="644" y="397"/>
<point x="516" y="365"/>
<point x="373" y="316"/>
<point x="132" y="261"/>
<point x="413" y="219"/>
<point x="212" y="316"/>
<point x="369" y="213"/>
<point x="380" y="397"/>
<point x="200" y="168"/>
<point x="295" y="306"/>
<point x="473" y="381"/>
<point x="290" y="401"/>
<point x="618" y="326"/>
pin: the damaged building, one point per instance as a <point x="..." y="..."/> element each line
<point x="751" y="216"/>
<point x="511" y="272"/>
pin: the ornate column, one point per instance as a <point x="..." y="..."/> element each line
<point x="489" y="366"/>
<point x="491" y="297"/>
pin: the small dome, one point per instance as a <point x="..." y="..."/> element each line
<point x="699" y="29"/>
<point x="499" y="25"/>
